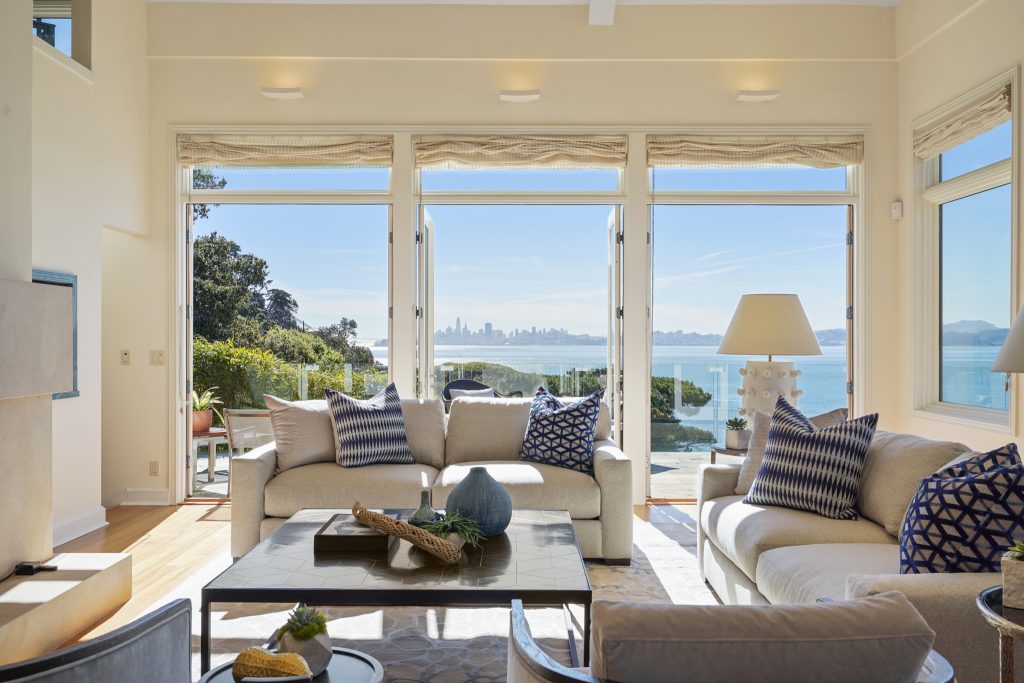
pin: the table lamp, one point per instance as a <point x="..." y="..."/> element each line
<point x="1011" y="356"/>
<point x="769" y="325"/>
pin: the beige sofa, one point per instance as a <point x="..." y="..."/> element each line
<point x="478" y="431"/>
<point x="753" y="555"/>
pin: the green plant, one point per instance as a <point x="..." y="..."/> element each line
<point x="207" y="401"/>
<point x="304" y="623"/>
<point x="455" y="523"/>
<point x="1016" y="551"/>
<point x="735" y="424"/>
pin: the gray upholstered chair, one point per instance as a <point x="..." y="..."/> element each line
<point x="153" y="649"/>
<point x="881" y="639"/>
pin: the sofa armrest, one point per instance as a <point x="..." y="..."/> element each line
<point x="947" y="603"/>
<point x="250" y="473"/>
<point x="716" y="481"/>
<point x="614" y="474"/>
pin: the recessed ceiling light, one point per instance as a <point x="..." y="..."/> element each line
<point x="757" y="95"/>
<point x="282" y="93"/>
<point x="519" y="96"/>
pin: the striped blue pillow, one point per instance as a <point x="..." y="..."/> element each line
<point x="817" y="470"/>
<point x="370" y="432"/>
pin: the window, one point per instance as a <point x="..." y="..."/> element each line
<point x="770" y="178"/>
<point x="482" y="180"/>
<point x="65" y="26"/>
<point x="968" y="218"/>
<point x="372" y="179"/>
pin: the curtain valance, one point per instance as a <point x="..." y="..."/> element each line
<point x="285" y="150"/>
<point x="980" y="117"/>
<point x="520" y="151"/>
<point x="819" y="151"/>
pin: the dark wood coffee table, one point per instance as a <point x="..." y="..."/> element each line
<point x="537" y="560"/>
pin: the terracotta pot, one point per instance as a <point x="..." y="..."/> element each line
<point x="202" y="420"/>
<point x="1013" y="582"/>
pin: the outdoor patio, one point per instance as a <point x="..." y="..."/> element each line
<point x="674" y="475"/>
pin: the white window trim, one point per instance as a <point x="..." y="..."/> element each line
<point x="930" y="193"/>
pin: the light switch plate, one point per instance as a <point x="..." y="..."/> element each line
<point x="157" y="357"/>
<point x="896" y="210"/>
<point x="126" y="357"/>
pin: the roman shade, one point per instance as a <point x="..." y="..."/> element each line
<point x="284" y="150"/>
<point x="817" y="151"/>
<point x="982" y="116"/>
<point x="520" y="151"/>
<point x="51" y="9"/>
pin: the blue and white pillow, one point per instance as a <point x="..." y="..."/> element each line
<point x="560" y="434"/>
<point x="964" y="516"/>
<point x="370" y="432"/>
<point x="817" y="470"/>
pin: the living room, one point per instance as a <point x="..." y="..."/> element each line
<point x="574" y="195"/>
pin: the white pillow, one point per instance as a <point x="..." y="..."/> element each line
<point x="302" y="430"/>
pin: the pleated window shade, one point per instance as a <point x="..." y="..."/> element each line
<point x="980" y="117"/>
<point x="254" y="151"/>
<point x="451" y="152"/>
<point x="718" y="151"/>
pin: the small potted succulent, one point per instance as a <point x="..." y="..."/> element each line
<point x="305" y="634"/>
<point x="203" y="407"/>
<point x="1013" y="576"/>
<point x="456" y="529"/>
<point x="736" y="434"/>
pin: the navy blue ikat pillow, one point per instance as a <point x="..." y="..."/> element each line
<point x="964" y="516"/>
<point x="560" y="434"/>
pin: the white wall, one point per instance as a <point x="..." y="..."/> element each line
<point x="948" y="48"/>
<point x="88" y="171"/>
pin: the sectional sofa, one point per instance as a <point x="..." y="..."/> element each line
<point x="478" y="431"/>
<point x="754" y="555"/>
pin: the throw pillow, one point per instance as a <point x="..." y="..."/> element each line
<point x="370" y="432"/>
<point x="759" y="424"/>
<point x="817" y="470"/>
<point x="302" y="432"/>
<point x="965" y="515"/>
<point x="560" y="434"/>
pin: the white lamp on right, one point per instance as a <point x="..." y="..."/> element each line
<point x="1011" y="356"/>
<point x="769" y="325"/>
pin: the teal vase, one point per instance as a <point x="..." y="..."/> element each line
<point x="482" y="499"/>
<point x="424" y="514"/>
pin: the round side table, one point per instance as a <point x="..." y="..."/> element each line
<point x="1008" y="621"/>
<point x="717" y="450"/>
<point x="347" y="666"/>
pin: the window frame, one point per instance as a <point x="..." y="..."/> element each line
<point x="931" y="193"/>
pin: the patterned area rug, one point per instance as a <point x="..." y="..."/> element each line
<point x="453" y="645"/>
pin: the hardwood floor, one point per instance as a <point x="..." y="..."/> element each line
<point x="169" y="545"/>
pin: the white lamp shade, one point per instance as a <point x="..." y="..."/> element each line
<point x="1011" y="356"/>
<point x="769" y="325"/>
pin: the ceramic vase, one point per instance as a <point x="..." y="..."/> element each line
<point x="316" y="650"/>
<point x="482" y="499"/>
<point x="424" y="514"/>
<point x="738" y="439"/>
<point x="1013" y="582"/>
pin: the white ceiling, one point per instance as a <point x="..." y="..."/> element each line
<point x="875" y="3"/>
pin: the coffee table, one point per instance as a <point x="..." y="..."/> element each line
<point x="537" y="560"/>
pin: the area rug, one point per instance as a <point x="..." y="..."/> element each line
<point x="455" y="645"/>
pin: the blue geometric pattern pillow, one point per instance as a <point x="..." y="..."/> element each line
<point x="817" y="470"/>
<point x="562" y="435"/>
<point x="964" y="516"/>
<point x="370" y="432"/>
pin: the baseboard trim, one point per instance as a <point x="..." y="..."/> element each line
<point x="79" y="525"/>
<point x="146" y="497"/>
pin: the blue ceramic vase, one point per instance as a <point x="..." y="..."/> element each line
<point x="483" y="500"/>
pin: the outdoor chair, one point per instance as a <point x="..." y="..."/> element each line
<point x="247" y="429"/>
<point x="463" y="385"/>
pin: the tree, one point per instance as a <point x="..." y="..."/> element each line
<point x="280" y="308"/>
<point x="340" y="336"/>
<point x="224" y="282"/>
<point x="204" y="180"/>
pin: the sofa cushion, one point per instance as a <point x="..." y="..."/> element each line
<point x="326" y="485"/>
<point x="370" y="432"/>
<point x="881" y="639"/>
<point x="302" y="431"/>
<point x="424" y="428"/>
<point x="532" y="486"/>
<point x="803" y="573"/>
<point x="894" y="468"/>
<point x="493" y="428"/>
<point x="743" y="531"/>
<point x="562" y="434"/>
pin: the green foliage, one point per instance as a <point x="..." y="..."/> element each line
<point x="304" y="623"/>
<point x="455" y="523"/>
<point x="667" y="434"/>
<point x="1016" y="551"/>
<point x="735" y="424"/>
<point x="204" y="180"/>
<point x="296" y="346"/>
<point x="226" y="284"/>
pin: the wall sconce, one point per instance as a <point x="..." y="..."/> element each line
<point x="757" y="95"/>
<point x="282" y="93"/>
<point x="519" y="96"/>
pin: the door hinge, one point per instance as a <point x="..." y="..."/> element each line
<point x="391" y="312"/>
<point x="849" y="238"/>
<point x="648" y="238"/>
<point x="188" y="390"/>
<point x="620" y="238"/>
<point x="618" y="312"/>
<point x="849" y="388"/>
<point x="188" y="311"/>
<point x="419" y="237"/>
<point x="391" y="237"/>
<point x="849" y="312"/>
<point x="419" y="312"/>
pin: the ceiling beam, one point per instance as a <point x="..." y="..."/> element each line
<point x="601" y="13"/>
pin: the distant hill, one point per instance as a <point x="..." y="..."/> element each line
<point x="831" y="337"/>
<point x="973" y="333"/>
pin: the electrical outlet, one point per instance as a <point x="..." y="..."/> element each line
<point x="126" y="357"/>
<point x="154" y="468"/>
<point x="157" y="357"/>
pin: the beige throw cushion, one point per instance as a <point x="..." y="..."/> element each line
<point x="882" y="639"/>
<point x="424" y="429"/>
<point x="893" y="470"/>
<point x="302" y="430"/>
<point x="759" y="424"/>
